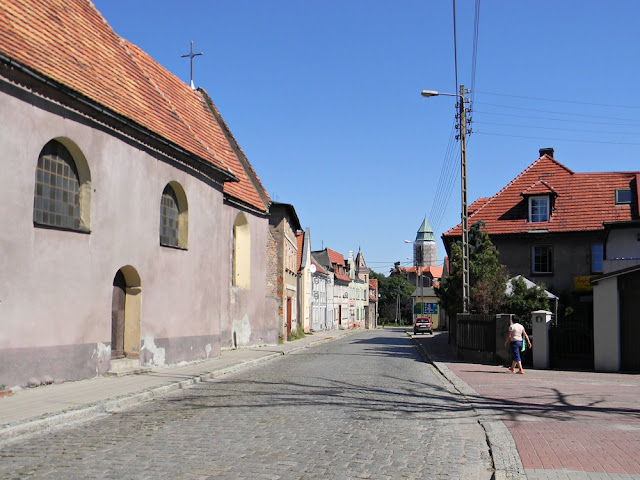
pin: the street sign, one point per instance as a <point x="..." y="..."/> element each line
<point x="420" y="308"/>
<point x="430" y="308"/>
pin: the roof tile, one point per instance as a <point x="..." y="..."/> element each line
<point x="583" y="202"/>
<point x="84" y="54"/>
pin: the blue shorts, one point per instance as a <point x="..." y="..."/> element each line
<point x="515" y="350"/>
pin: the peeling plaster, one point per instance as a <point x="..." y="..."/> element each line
<point x="158" y="353"/>
<point x="103" y="353"/>
<point x="241" y="331"/>
<point x="207" y="349"/>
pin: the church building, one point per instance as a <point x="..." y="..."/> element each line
<point x="135" y="229"/>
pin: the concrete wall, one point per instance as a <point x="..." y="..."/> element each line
<point x="56" y="286"/>
<point x="606" y="326"/>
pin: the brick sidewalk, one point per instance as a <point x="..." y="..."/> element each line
<point x="564" y="424"/>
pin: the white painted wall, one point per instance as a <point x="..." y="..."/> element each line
<point x="606" y="326"/>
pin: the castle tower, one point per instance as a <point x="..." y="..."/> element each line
<point x="425" y="250"/>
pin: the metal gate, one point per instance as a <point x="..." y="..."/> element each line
<point x="571" y="344"/>
<point x="629" y="288"/>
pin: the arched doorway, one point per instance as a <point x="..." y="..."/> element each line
<point x="125" y="317"/>
<point x="118" y="303"/>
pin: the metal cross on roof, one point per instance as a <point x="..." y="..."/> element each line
<point x="191" y="55"/>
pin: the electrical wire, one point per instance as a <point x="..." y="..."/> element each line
<point x="557" y="128"/>
<point x="474" y="58"/>
<point x="455" y="43"/>
<point x="519" y="107"/>
<point x="557" y="119"/>
<point x="559" y="100"/>
<point x="557" y="139"/>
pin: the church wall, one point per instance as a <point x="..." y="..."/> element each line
<point x="56" y="286"/>
<point x="251" y="317"/>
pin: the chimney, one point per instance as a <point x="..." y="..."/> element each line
<point x="546" y="151"/>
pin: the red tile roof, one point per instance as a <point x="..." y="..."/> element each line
<point x="583" y="201"/>
<point x="477" y="204"/>
<point x="341" y="276"/>
<point x="434" y="270"/>
<point x="69" y="42"/>
<point x="335" y="257"/>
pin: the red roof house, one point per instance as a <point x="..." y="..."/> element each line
<point x="547" y="223"/>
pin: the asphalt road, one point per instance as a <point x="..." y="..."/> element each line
<point x="362" y="407"/>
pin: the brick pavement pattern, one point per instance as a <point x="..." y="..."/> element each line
<point x="566" y="425"/>
<point x="364" y="406"/>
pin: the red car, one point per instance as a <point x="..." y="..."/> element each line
<point x="423" y="325"/>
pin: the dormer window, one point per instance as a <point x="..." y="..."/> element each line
<point x="623" y="196"/>
<point x="539" y="208"/>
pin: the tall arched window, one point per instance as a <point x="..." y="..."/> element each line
<point x="57" y="191"/>
<point x="173" y="217"/>
<point x="241" y="252"/>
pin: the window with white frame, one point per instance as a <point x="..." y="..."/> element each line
<point x="539" y="208"/>
<point x="542" y="259"/>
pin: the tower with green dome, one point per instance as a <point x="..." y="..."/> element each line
<point x="425" y="250"/>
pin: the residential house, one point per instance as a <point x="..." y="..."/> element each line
<point x="305" y="269"/>
<point x="320" y="290"/>
<point x="359" y="288"/>
<point x="138" y="228"/>
<point x="282" y="279"/>
<point x="372" y="317"/>
<point x="548" y="225"/>
<point x="429" y="276"/>
<point x="334" y="263"/>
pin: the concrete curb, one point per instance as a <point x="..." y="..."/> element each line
<point x="506" y="460"/>
<point x="14" y="431"/>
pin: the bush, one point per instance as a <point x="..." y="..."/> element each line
<point x="296" y="334"/>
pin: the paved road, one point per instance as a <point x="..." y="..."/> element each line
<point x="565" y="425"/>
<point x="365" y="406"/>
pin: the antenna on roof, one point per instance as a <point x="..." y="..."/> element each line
<point x="191" y="55"/>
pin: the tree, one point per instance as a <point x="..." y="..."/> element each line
<point x="388" y="288"/>
<point x="488" y="281"/>
<point x="524" y="300"/>
<point x="487" y="277"/>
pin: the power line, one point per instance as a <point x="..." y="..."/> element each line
<point x="557" y="139"/>
<point x="555" y="119"/>
<point x="518" y="107"/>
<point x="557" y="128"/>
<point x="559" y="101"/>
<point x="455" y="44"/>
<point x="474" y="58"/>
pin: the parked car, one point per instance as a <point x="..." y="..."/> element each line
<point x="423" y="325"/>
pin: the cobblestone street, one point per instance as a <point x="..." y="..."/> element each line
<point x="365" y="406"/>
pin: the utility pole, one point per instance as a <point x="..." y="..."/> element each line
<point x="462" y="118"/>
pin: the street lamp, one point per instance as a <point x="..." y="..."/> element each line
<point x="461" y="116"/>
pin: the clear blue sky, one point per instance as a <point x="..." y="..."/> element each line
<point x="324" y="98"/>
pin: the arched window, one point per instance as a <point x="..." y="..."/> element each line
<point x="57" y="190"/>
<point x="173" y="217"/>
<point x="241" y="252"/>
